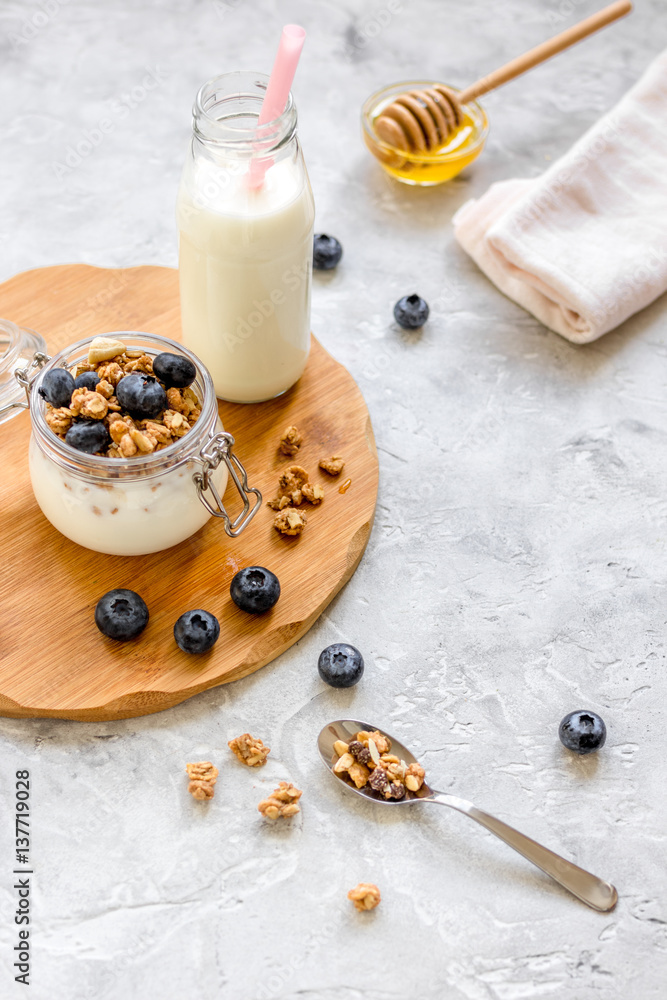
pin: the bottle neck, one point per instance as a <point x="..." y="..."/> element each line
<point x="226" y="114"/>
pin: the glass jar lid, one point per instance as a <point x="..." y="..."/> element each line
<point x="17" y="350"/>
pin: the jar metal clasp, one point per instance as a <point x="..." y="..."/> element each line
<point x="24" y="377"/>
<point x="217" y="450"/>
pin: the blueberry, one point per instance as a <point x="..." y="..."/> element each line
<point x="341" y="665"/>
<point x="411" y="312"/>
<point x="196" y="631"/>
<point x="88" y="435"/>
<point x="121" y="614"/>
<point x="255" y="589"/>
<point x="57" y="387"/>
<point x="174" y="370"/>
<point x="141" y="395"/>
<point x="87" y="380"/>
<point x="583" y="732"/>
<point x="327" y="252"/>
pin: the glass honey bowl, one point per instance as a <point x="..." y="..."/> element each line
<point x="434" y="166"/>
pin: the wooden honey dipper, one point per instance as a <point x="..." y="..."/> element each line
<point x="422" y="120"/>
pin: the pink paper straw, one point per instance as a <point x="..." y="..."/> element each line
<point x="277" y="91"/>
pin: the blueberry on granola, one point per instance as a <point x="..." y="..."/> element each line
<point x="57" y="387"/>
<point x="341" y="665"/>
<point x="174" y="370"/>
<point x="90" y="436"/>
<point x="141" y="395"/>
<point x="196" y="631"/>
<point x="87" y="380"/>
<point x="121" y="614"/>
<point x="255" y="589"/>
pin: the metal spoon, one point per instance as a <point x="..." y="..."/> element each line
<point x="588" y="888"/>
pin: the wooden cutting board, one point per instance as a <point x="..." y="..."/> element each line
<point x="53" y="660"/>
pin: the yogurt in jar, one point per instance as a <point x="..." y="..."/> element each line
<point x="121" y="517"/>
<point x="129" y="504"/>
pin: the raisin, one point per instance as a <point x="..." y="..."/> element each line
<point x="378" y="780"/>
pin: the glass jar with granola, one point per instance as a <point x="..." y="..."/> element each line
<point x="133" y="468"/>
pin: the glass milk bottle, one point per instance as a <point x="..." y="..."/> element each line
<point x="245" y="248"/>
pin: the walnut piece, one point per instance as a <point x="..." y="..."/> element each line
<point x="334" y="465"/>
<point x="282" y="802"/>
<point x="291" y="440"/>
<point x="365" y="896"/>
<point x="203" y="777"/>
<point x="249" y="750"/>
<point x="289" y="521"/>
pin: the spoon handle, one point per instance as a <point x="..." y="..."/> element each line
<point x="590" y="889"/>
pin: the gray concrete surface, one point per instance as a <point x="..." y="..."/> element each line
<point x="516" y="569"/>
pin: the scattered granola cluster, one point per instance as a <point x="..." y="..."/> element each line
<point x="291" y="440"/>
<point x="249" y="750"/>
<point x="334" y="465"/>
<point x="110" y="360"/>
<point x="367" y="760"/>
<point x="282" y="803"/>
<point x="365" y="896"/>
<point x="294" y="487"/>
<point x="203" y="777"/>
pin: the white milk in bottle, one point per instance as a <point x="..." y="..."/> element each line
<point x="245" y="251"/>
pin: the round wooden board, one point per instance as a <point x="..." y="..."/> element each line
<point x="53" y="660"/>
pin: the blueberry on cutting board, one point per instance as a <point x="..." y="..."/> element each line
<point x="121" y="614"/>
<point x="255" y="589"/>
<point x="583" y="732"/>
<point x="341" y="665"/>
<point x="196" y="631"/>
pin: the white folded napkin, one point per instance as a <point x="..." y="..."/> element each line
<point x="584" y="246"/>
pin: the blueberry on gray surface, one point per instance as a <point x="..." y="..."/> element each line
<point x="411" y="312"/>
<point x="141" y="395"/>
<point x="255" y="589"/>
<point x="57" y="387"/>
<point x="341" y="665"/>
<point x="87" y="380"/>
<point x="196" y="631"/>
<point x="327" y="252"/>
<point x="174" y="370"/>
<point x="88" y="435"/>
<point x="582" y="731"/>
<point x="121" y="614"/>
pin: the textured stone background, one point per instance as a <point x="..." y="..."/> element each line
<point x="515" y="571"/>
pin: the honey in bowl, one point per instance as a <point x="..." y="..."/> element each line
<point x="432" y="166"/>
